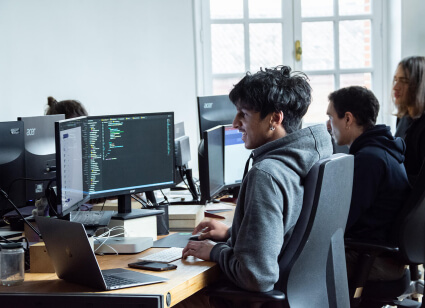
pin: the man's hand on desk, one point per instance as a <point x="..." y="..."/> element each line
<point x="198" y="249"/>
<point x="212" y="229"/>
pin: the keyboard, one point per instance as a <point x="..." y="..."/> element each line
<point x="92" y="218"/>
<point x="164" y="256"/>
<point x="116" y="281"/>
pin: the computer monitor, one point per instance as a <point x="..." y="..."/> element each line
<point x="222" y="161"/>
<point x="40" y="162"/>
<point x="215" y="110"/>
<point x="12" y="164"/>
<point x="211" y="164"/>
<point x="182" y="153"/>
<point x="121" y="155"/>
<point x="182" y="146"/>
<point x="69" y="155"/>
<point x="235" y="157"/>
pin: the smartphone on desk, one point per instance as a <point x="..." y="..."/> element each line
<point x="152" y="266"/>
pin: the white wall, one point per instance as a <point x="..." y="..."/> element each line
<point x="405" y="23"/>
<point x="115" y="56"/>
<point x="413" y="28"/>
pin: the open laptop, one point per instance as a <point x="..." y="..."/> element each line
<point x="73" y="258"/>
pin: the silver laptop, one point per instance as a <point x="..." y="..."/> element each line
<point x="73" y="258"/>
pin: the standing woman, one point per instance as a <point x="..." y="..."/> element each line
<point x="409" y="98"/>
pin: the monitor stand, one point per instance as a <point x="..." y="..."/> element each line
<point x="162" y="222"/>
<point x="187" y="173"/>
<point x="125" y="211"/>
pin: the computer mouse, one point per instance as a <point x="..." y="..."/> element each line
<point x="194" y="238"/>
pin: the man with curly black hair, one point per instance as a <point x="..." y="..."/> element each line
<point x="270" y="106"/>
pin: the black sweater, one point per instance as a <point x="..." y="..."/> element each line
<point x="380" y="184"/>
<point x="415" y="148"/>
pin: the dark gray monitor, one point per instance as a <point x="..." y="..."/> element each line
<point x="211" y="163"/>
<point x="12" y="164"/>
<point x="215" y="110"/>
<point x="40" y="159"/>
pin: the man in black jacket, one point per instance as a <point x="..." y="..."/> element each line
<point x="380" y="183"/>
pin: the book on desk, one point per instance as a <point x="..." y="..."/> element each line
<point x="185" y="217"/>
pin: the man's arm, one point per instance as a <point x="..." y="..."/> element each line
<point x="368" y="172"/>
<point x="251" y="262"/>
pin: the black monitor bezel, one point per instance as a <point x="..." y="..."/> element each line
<point x="121" y="193"/>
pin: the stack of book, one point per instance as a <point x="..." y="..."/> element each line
<point x="185" y="217"/>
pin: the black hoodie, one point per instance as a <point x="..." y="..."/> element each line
<point x="380" y="184"/>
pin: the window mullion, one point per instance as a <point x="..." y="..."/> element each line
<point x="336" y="45"/>
<point x="246" y="34"/>
<point x="295" y="16"/>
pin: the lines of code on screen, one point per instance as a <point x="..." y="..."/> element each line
<point x="127" y="152"/>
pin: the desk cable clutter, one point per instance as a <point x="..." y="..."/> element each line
<point x="106" y="243"/>
<point x="5" y="195"/>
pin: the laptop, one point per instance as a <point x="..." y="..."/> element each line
<point x="73" y="258"/>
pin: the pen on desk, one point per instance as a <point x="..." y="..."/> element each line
<point x="212" y="215"/>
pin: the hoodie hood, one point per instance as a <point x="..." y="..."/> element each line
<point x="380" y="136"/>
<point x="299" y="150"/>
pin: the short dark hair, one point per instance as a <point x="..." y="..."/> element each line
<point x="273" y="90"/>
<point x="361" y="102"/>
<point x="414" y="70"/>
<point x="70" y="108"/>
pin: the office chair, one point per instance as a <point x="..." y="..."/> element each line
<point x="312" y="266"/>
<point x="409" y="248"/>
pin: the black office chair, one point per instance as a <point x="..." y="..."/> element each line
<point x="312" y="266"/>
<point x="409" y="248"/>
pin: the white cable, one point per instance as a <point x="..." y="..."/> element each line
<point x="103" y="238"/>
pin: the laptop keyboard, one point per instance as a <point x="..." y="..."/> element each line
<point x="116" y="281"/>
<point x="164" y="256"/>
<point x="92" y="218"/>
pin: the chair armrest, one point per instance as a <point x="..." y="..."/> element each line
<point x="365" y="246"/>
<point x="367" y="252"/>
<point x="239" y="295"/>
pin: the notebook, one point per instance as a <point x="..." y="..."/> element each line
<point x="73" y="258"/>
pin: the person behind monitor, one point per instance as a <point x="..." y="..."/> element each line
<point x="380" y="182"/>
<point x="70" y="108"/>
<point x="409" y="98"/>
<point x="270" y="105"/>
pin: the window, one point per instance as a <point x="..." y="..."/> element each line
<point x="239" y="36"/>
<point x="340" y="40"/>
<point x="341" y="46"/>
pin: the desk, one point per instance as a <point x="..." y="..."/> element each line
<point x="190" y="276"/>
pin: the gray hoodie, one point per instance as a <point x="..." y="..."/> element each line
<point x="268" y="207"/>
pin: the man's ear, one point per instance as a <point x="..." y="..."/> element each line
<point x="277" y="117"/>
<point x="349" y="118"/>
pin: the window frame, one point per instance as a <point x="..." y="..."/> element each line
<point x="291" y="22"/>
<point x="203" y="40"/>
